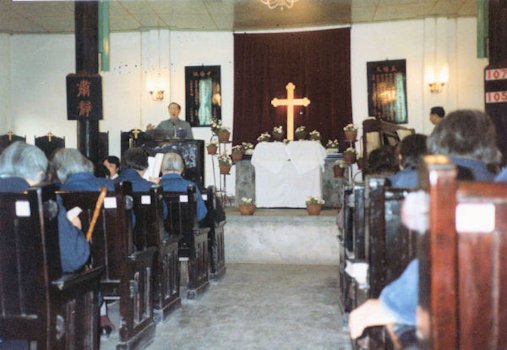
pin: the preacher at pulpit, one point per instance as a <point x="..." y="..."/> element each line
<point x="173" y="128"/>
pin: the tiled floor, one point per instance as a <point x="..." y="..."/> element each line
<point x="258" y="307"/>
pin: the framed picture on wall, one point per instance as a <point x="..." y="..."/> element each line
<point x="387" y="90"/>
<point x="203" y="95"/>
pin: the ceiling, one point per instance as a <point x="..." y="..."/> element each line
<point x="31" y="16"/>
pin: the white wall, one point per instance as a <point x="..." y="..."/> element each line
<point x="34" y="100"/>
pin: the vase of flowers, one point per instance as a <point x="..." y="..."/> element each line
<point x="339" y="168"/>
<point x="350" y="131"/>
<point x="212" y="147"/>
<point x="301" y="133"/>
<point x="246" y="206"/>
<point x="264" y="137"/>
<point x="314" y="205"/>
<point x="248" y="148"/>
<point x="237" y="153"/>
<point x="224" y="163"/>
<point x="224" y="134"/>
<point x="332" y="146"/>
<point x="349" y="156"/>
<point x="278" y="133"/>
<point x="314" y="135"/>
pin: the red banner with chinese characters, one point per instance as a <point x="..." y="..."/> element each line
<point x="84" y="96"/>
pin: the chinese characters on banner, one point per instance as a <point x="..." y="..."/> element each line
<point x="387" y="87"/>
<point x="84" y="96"/>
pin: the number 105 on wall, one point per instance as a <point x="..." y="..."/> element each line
<point x="496" y="97"/>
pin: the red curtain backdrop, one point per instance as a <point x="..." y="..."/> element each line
<point x="317" y="62"/>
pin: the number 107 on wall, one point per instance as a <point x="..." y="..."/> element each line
<point x="496" y="74"/>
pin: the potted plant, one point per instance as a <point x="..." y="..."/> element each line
<point x="248" y="148"/>
<point x="314" y="205"/>
<point x="264" y="137"/>
<point x="301" y="133"/>
<point x="215" y="125"/>
<point x="350" y="132"/>
<point x="339" y="168"/>
<point x="246" y="206"/>
<point x="278" y="133"/>
<point x="224" y="163"/>
<point x="314" y="135"/>
<point x="349" y="156"/>
<point x="237" y="153"/>
<point x="224" y="134"/>
<point x="212" y="147"/>
<point x="332" y="146"/>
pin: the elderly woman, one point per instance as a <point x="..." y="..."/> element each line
<point x="22" y="166"/>
<point x="134" y="164"/>
<point x="75" y="172"/>
<point x="172" y="181"/>
<point x="468" y="138"/>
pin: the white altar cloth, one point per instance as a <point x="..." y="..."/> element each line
<point x="286" y="175"/>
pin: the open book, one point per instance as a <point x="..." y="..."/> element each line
<point x="154" y="165"/>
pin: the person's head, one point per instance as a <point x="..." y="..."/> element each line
<point x="412" y="148"/>
<point x="382" y="160"/>
<point x="69" y="161"/>
<point x="174" y="110"/>
<point x="135" y="158"/>
<point x="25" y="161"/>
<point x="112" y="163"/>
<point x="465" y="133"/>
<point x="437" y="113"/>
<point x="172" y="163"/>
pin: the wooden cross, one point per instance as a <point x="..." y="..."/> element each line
<point x="50" y="135"/>
<point x="290" y="102"/>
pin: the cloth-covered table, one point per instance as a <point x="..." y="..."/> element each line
<point x="287" y="174"/>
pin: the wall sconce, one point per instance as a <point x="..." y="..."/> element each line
<point x="437" y="86"/>
<point x="156" y="86"/>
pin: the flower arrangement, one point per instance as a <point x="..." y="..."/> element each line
<point x="246" y="206"/>
<point x="350" y="127"/>
<point x="224" y="159"/>
<point x="237" y="148"/>
<point x="301" y="129"/>
<point x="237" y="153"/>
<point x="340" y="164"/>
<point x="349" y="156"/>
<point x="246" y="200"/>
<point x="264" y="137"/>
<point x="278" y="133"/>
<point x="247" y="147"/>
<point x="339" y="168"/>
<point x="301" y="133"/>
<point x="216" y="125"/>
<point x="315" y="135"/>
<point x="332" y="144"/>
<point x="314" y="200"/>
<point x="212" y="147"/>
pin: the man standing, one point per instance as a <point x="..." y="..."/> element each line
<point x="174" y="127"/>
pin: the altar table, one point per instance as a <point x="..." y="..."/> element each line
<point x="287" y="174"/>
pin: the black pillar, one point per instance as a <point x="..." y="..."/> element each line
<point x="86" y="14"/>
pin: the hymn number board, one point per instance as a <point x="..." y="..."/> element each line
<point x="387" y="90"/>
<point x="84" y="96"/>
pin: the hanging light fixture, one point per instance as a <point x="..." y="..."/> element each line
<point x="273" y="4"/>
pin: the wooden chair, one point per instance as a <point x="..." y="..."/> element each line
<point x="49" y="143"/>
<point x="37" y="303"/>
<point x="128" y="273"/>
<point x="7" y="139"/>
<point x="462" y="262"/>
<point x="216" y="235"/>
<point x="149" y="232"/>
<point x="193" y="241"/>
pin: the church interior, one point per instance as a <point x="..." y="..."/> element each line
<point x="286" y="279"/>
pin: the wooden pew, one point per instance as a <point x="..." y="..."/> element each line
<point x="193" y="240"/>
<point x="216" y="235"/>
<point x="128" y="273"/>
<point x="149" y="232"/>
<point x="37" y="303"/>
<point x="390" y="246"/>
<point x="462" y="262"/>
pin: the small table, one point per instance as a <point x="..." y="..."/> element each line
<point x="287" y="174"/>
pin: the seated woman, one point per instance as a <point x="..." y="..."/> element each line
<point x="172" y="181"/>
<point x="468" y="138"/>
<point x="382" y="161"/>
<point x="412" y="149"/>
<point x="134" y="164"/>
<point x="22" y="166"/>
<point x="75" y="172"/>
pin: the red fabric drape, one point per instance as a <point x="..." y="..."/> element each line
<point x="317" y="62"/>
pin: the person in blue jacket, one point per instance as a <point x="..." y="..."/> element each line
<point x="172" y="181"/>
<point x="134" y="164"/>
<point x="75" y="172"/>
<point x="468" y="138"/>
<point x="22" y="166"/>
<point x="412" y="148"/>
